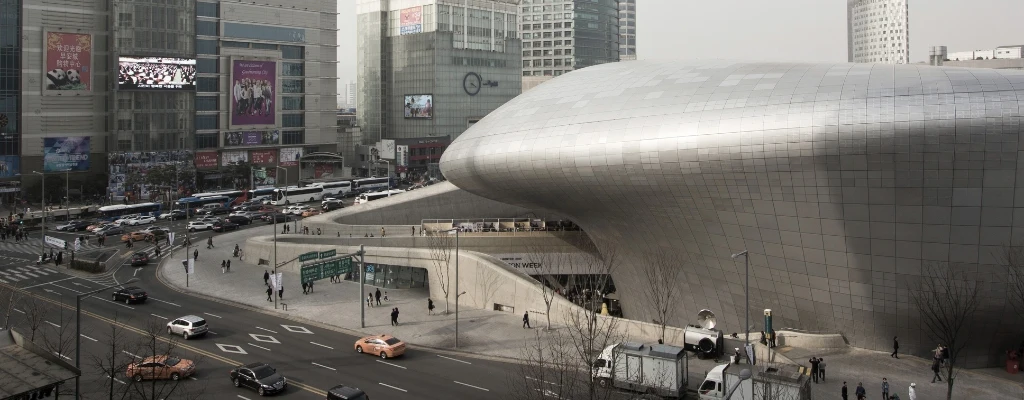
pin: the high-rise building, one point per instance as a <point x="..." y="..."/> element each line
<point x="10" y="94"/>
<point x="429" y="69"/>
<point x="350" y="94"/>
<point x="627" y="30"/>
<point x="562" y="35"/>
<point x="878" y="31"/>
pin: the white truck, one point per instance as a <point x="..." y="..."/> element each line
<point x="647" y="368"/>
<point x="726" y="382"/>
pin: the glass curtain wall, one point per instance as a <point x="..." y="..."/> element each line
<point x="10" y="78"/>
<point x="371" y="63"/>
<point x="596" y="33"/>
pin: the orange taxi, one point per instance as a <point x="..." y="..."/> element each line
<point x="137" y="236"/>
<point x="385" y="346"/>
<point x="310" y="212"/>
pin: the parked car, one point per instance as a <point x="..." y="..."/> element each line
<point x="385" y="346"/>
<point x="74" y="226"/>
<point x="245" y="204"/>
<point x="109" y="230"/>
<point x="158" y="231"/>
<point x="216" y="210"/>
<point x="140" y="258"/>
<point x="277" y="217"/>
<point x="174" y="215"/>
<point x="188" y="326"/>
<point x="342" y="392"/>
<point x="130" y="294"/>
<point x="141" y="220"/>
<point x="97" y="225"/>
<point x="137" y="236"/>
<point x="224" y="226"/>
<point x="160" y="367"/>
<point x="332" y="205"/>
<point x="309" y="212"/>
<point x="240" y="220"/>
<point x="199" y="226"/>
<point x="124" y="219"/>
<point x="293" y="210"/>
<point x="259" y="376"/>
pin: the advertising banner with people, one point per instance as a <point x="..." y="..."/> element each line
<point x="263" y="157"/>
<point x="264" y="177"/>
<point x="253" y="87"/>
<point x="68" y="62"/>
<point x="66" y="153"/>
<point x="123" y="164"/>
<point x="206" y="159"/>
<point x="290" y="156"/>
<point x="411" y="20"/>
<point x="419" y="106"/>
<point x="251" y="138"/>
<point x="233" y="157"/>
<point x="10" y="166"/>
<point x="157" y="73"/>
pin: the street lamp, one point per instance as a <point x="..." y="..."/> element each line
<point x="78" y="327"/>
<point x="746" y="289"/>
<point x="745" y="374"/>
<point x="388" y="173"/>
<point x="275" y="232"/>
<point x="42" y="185"/>
<point x="459" y="294"/>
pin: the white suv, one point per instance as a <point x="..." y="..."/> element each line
<point x="188" y="326"/>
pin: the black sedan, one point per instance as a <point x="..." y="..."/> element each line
<point x="140" y="258"/>
<point x="109" y="231"/>
<point x="224" y="226"/>
<point x="280" y="217"/>
<point x="331" y="205"/>
<point x="131" y="294"/>
<point x="259" y="376"/>
<point x="75" y="226"/>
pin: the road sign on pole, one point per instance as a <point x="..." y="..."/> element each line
<point x="312" y="273"/>
<point x="328" y="253"/>
<point x="309" y="256"/>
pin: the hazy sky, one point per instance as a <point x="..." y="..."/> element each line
<point x="781" y="30"/>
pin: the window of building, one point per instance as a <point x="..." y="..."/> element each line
<point x="526" y="63"/>
<point x="205" y="46"/>
<point x="547" y="43"/>
<point x="207" y="66"/>
<point x="207" y="9"/>
<point x="124" y="124"/>
<point x="292" y="85"/>
<point x="293" y="69"/>
<point x="239" y="45"/>
<point x="206" y="103"/>
<point x="293" y="120"/>
<point x="558" y="52"/>
<point x="206" y="141"/>
<point x="293" y="137"/>
<point x="124" y="20"/>
<point x="206" y="84"/>
<point x="568" y="42"/>
<point x="124" y="145"/>
<point x="206" y="28"/>
<point x="264" y="32"/>
<point x="536" y="53"/>
<point x="207" y="122"/>
<point x="568" y="25"/>
<point x="292" y="52"/>
<point x="264" y="46"/>
<point x="293" y="103"/>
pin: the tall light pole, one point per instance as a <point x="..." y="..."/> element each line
<point x="388" y="173"/>
<point x="746" y="290"/>
<point x="457" y="292"/>
<point x="42" y="185"/>
<point x="67" y="194"/>
<point x="274" y="216"/>
<point x="78" y="327"/>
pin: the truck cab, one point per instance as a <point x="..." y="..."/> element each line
<point x="740" y="382"/>
<point x="645" y="368"/>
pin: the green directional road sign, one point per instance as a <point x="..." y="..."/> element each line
<point x="330" y="268"/>
<point x="312" y="273"/>
<point x="308" y="256"/>
<point x="344" y="266"/>
<point x="328" y="253"/>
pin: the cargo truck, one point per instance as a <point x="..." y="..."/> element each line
<point x="647" y="368"/>
<point x="727" y="382"/>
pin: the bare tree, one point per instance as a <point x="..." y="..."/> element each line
<point x="589" y="332"/>
<point x="488" y="281"/>
<point x="154" y="344"/>
<point x="1013" y="258"/>
<point x="8" y="293"/>
<point x="61" y="338"/>
<point x="662" y="276"/>
<point x="548" y="263"/>
<point x="947" y="299"/>
<point x="548" y="369"/>
<point x="35" y="315"/>
<point x="114" y="360"/>
<point x="442" y="249"/>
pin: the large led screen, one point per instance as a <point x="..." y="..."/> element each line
<point x="66" y="154"/>
<point x="419" y="106"/>
<point x="156" y="73"/>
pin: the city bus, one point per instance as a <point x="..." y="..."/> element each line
<point x="367" y="184"/>
<point x="288" y="196"/>
<point x="257" y="193"/>
<point x="190" y="204"/>
<point x="371" y="196"/>
<point x="110" y="213"/>
<point x="233" y="195"/>
<point x="335" y="189"/>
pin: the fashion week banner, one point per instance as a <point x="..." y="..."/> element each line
<point x="253" y="87"/>
<point x="66" y="153"/>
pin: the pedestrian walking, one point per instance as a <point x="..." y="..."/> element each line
<point x="304" y="290"/>
<point x="266" y="277"/>
<point x="195" y="255"/>
<point x="60" y="257"/>
<point x="382" y="231"/>
<point x="414" y="231"/>
<point x="885" y="388"/>
<point x="235" y="253"/>
<point x="270" y="292"/>
<point x="430" y="306"/>
<point x="895" y="347"/>
<point x="223" y="265"/>
<point x="369" y="300"/>
<point x="377" y="294"/>
<point x="168" y="240"/>
<point x="844" y="392"/>
<point x="311" y="286"/>
<point x="386" y="296"/>
<point x="209" y="242"/>
<point x="913" y="391"/>
<point x="771" y="337"/>
<point x="814" y="369"/>
<point x="280" y="292"/>
<point x="526" y="320"/>
<point x="156" y="250"/>
<point x="935" y="369"/>
<point x="861" y="393"/>
<point x="394" y="317"/>
<point x="821" y="369"/>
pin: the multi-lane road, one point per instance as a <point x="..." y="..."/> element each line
<point x="313" y="358"/>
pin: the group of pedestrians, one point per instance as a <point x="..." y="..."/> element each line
<point x="862" y="393"/>
<point x="225" y="266"/>
<point x="307" y="287"/>
<point x="376" y="296"/>
<point x="270" y="289"/>
<point x="817" y="369"/>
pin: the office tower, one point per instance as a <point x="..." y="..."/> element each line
<point x="878" y="31"/>
<point x="627" y="30"/>
<point x="562" y="35"/>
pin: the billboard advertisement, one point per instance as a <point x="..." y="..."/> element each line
<point x="123" y="164"/>
<point x="156" y="73"/>
<point x="66" y="153"/>
<point x="68" y="62"/>
<point x="233" y="157"/>
<point x="253" y="87"/>
<point x="411" y="20"/>
<point x="251" y="138"/>
<point x="401" y="158"/>
<point x="10" y="166"/>
<point x="264" y="177"/>
<point x="387" y="149"/>
<point x="419" y="106"/>
<point x="323" y="171"/>
<point x="263" y="157"/>
<point x="290" y="156"/>
<point x="206" y="159"/>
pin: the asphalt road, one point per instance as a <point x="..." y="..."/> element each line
<point x="312" y="358"/>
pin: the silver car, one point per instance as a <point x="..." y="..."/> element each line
<point x="188" y="326"/>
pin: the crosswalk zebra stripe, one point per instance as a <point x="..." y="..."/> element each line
<point x="30" y="274"/>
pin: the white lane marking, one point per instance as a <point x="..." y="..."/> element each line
<point x="113" y="302"/>
<point x="88" y="337"/>
<point x="393" y="387"/>
<point x="393" y="365"/>
<point x="193" y="378"/>
<point x="79" y="284"/>
<point x="230" y="348"/>
<point x="449" y="358"/>
<point x="268" y="330"/>
<point x="540" y="380"/>
<point x="157" y="316"/>
<point x="19" y="310"/>
<point x="51" y="323"/>
<point x="297" y="329"/>
<point x="126" y="352"/>
<point x="324" y="366"/>
<point x="68" y="289"/>
<point x="62" y="356"/>
<point x="243" y="397"/>
<point x="51" y="291"/>
<point x="20" y="276"/>
<point x="30" y="274"/>
<point x="136" y="271"/>
<point x="117" y="380"/>
<point x="3" y="281"/>
<point x="212" y="315"/>
<point x="152" y="298"/>
<point x="47" y="283"/>
<point x="215" y="333"/>
<point x="322" y="345"/>
<point x="260" y="347"/>
<point x="474" y="387"/>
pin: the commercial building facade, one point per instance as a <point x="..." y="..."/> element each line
<point x="1003" y="57"/>
<point x="878" y="31"/>
<point x="433" y="68"/>
<point x="627" y="30"/>
<point x="562" y="35"/>
<point x="842" y="189"/>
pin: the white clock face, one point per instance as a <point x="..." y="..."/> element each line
<point x="471" y="83"/>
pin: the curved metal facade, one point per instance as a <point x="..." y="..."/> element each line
<point x="842" y="180"/>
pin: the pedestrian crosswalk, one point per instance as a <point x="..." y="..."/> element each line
<point x="16" y="274"/>
<point x="34" y="246"/>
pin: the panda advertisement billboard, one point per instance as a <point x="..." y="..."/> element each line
<point x="156" y="73"/>
<point x="68" y="58"/>
<point x="66" y="153"/>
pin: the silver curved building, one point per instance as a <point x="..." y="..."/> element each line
<point x="842" y="180"/>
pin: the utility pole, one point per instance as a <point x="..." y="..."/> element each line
<point x="42" y="235"/>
